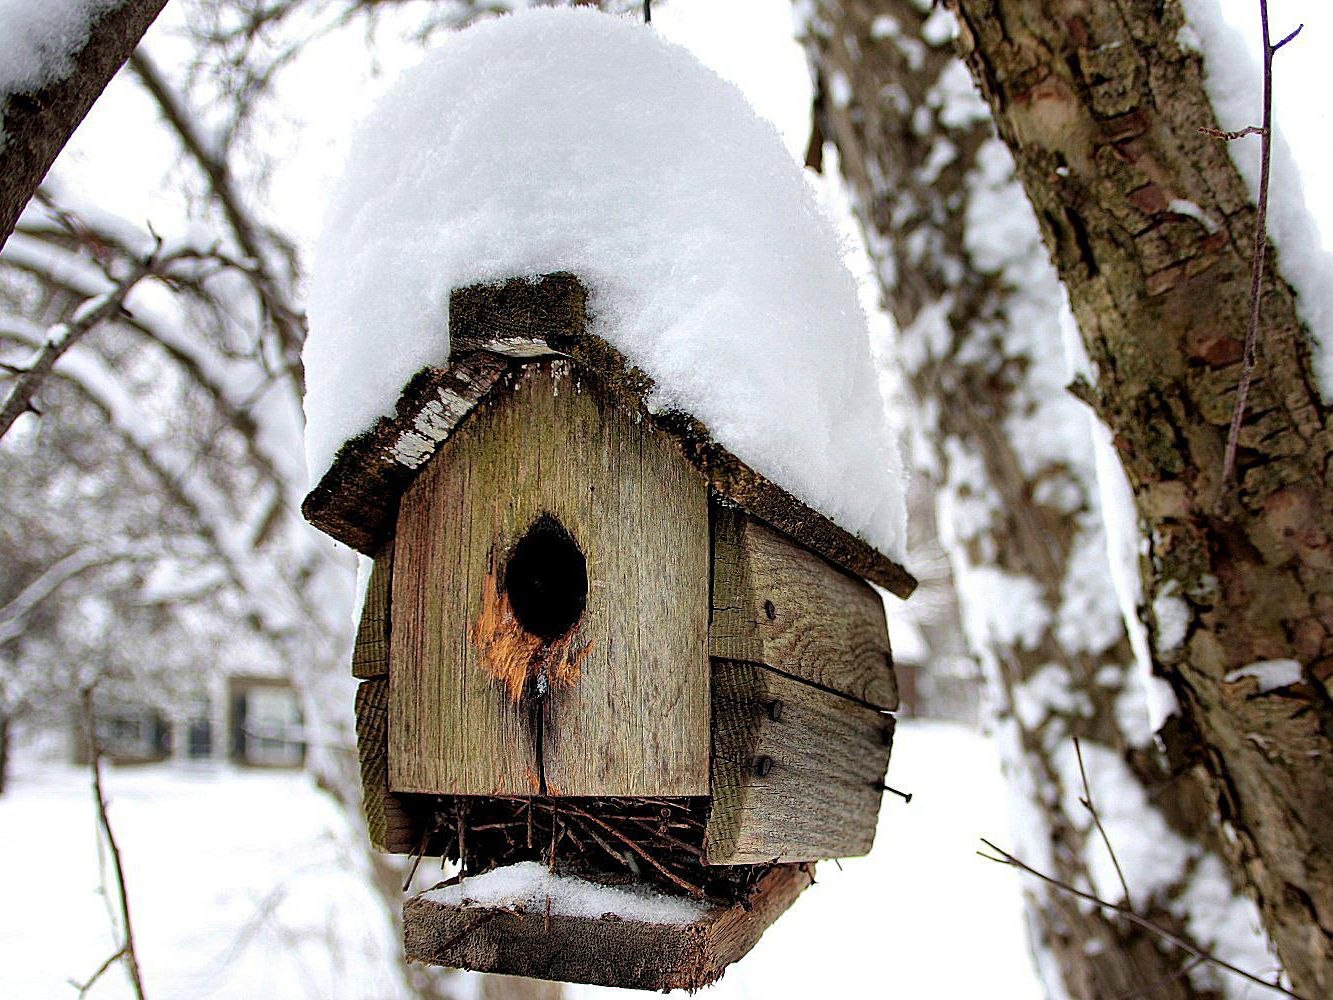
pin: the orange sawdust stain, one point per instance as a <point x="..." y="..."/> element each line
<point x="512" y="655"/>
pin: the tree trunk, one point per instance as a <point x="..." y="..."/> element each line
<point x="516" y="988"/>
<point x="35" y="126"/>
<point x="977" y="308"/>
<point x="4" y="751"/>
<point x="1151" y="229"/>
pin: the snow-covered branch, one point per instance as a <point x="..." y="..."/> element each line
<point x="61" y="337"/>
<point x="59" y="55"/>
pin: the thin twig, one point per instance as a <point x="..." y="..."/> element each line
<point x="1005" y="858"/>
<point x="126" y="950"/>
<point x="1161" y="981"/>
<point x="416" y="858"/>
<point x="63" y="336"/>
<point x="693" y="890"/>
<point x="1096" y="819"/>
<point x="1265" y="133"/>
<point x="91" y="981"/>
<point x="1218" y="133"/>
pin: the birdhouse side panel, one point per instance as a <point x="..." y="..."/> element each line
<point x="797" y="772"/>
<point x="493" y="690"/>
<point x="777" y="603"/>
<point x="370" y="654"/>
<point x="392" y="826"/>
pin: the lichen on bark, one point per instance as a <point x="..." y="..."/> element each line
<point x="976" y="304"/>
<point x="1102" y="109"/>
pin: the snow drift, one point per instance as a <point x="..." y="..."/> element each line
<point x="566" y="139"/>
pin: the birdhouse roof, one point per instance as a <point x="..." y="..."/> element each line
<point x="567" y="140"/>
<point x="494" y="331"/>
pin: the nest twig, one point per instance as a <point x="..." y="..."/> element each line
<point x="615" y="840"/>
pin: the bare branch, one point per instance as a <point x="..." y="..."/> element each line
<point x="1289" y="37"/>
<point x="1005" y="858"/>
<point x="1260" y="251"/>
<point x="1217" y="133"/>
<point x="31" y="252"/>
<point x="1087" y="804"/>
<point x="63" y="336"/>
<point x="126" y="951"/>
<point x="91" y="981"/>
<point x="254" y="240"/>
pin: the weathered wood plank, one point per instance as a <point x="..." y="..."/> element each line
<point x="779" y="604"/>
<point x="626" y="709"/>
<point x="356" y="501"/>
<point x="600" y="951"/>
<point x="493" y="327"/>
<point x="370" y="653"/>
<point x="796" y="770"/>
<point x="392" y="829"/>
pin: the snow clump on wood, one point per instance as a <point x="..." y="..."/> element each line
<point x="530" y="886"/>
<point x="570" y="140"/>
<point x="41" y="37"/>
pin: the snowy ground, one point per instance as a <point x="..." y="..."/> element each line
<point x="243" y="886"/>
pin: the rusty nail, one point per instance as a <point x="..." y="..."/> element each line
<point x="762" y="766"/>
<point x="879" y="786"/>
<point x="770" y="610"/>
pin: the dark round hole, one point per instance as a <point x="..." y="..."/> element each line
<point x="547" y="579"/>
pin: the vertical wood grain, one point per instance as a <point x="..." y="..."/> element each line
<point x="636" y="720"/>
<point x="796" y="770"/>
<point x="370" y="654"/>
<point x="389" y="824"/>
<point x="779" y="604"/>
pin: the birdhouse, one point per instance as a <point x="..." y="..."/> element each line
<point x="631" y="687"/>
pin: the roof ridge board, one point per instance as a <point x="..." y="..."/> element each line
<point x="496" y="329"/>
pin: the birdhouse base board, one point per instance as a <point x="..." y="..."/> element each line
<point x="652" y="950"/>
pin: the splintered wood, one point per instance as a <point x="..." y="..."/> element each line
<point x="513" y="655"/>
<point x="636" y="720"/>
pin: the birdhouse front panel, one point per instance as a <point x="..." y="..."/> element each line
<point x="550" y="604"/>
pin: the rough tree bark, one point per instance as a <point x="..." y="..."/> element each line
<point x="1151" y="229"/>
<point x="34" y="127"/>
<point x="4" y="750"/>
<point x="977" y="307"/>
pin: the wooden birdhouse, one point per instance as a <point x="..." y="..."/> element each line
<point x="629" y="685"/>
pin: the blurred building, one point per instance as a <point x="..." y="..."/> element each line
<point x="249" y="720"/>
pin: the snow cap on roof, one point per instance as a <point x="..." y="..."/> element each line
<point x="570" y="140"/>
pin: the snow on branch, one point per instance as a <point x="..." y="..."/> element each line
<point x="92" y="313"/>
<point x="59" y="56"/>
<point x="40" y="248"/>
